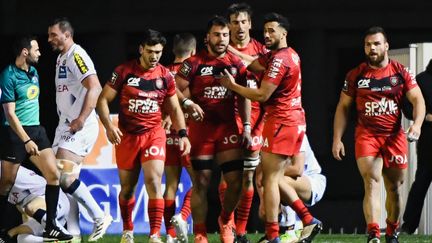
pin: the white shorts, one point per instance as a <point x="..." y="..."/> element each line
<point x="81" y="142"/>
<point x="62" y="213"/>
<point x="318" y="185"/>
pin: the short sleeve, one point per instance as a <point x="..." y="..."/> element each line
<point x="7" y="86"/>
<point x="410" y="80"/>
<point x="117" y="78"/>
<point x="81" y="66"/>
<point x="171" y="87"/>
<point x="186" y="70"/>
<point x="349" y="87"/>
<point x="276" y="70"/>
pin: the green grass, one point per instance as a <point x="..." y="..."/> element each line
<point x="322" y="238"/>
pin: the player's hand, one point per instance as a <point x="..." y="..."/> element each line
<point x="185" y="146"/>
<point x="76" y="125"/>
<point x="114" y="135"/>
<point x="227" y="80"/>
<point x="195" y="112"/>
<point x="166" y="123"/>
<point x="246" y="139"/>
<point x="413" y="132"/>
<point x="338" y="150"/>
<point x="32" y="148"/>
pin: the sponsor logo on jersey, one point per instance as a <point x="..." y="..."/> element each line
<point x="80" y="63"/>
<point x="62" y="72"/>
<point x="34" y="80"/>
<point x="216" y="92"/>
<point x="296" y="101"/>
<point x="412" y="76"/>
<point x="143" y="106"/>
<point x="133" y="81"/>
<point x="274" y="68"/>
<point x="382" y="107"/>
<point x="62" y="88"/>
<point x="206" y="71"/>
<point x="114" y="77"/>
<point x="363" y="83"/>
<point x="185" y="69"/>
<point x="32" y="92"/>
<point x="251" y="83"/>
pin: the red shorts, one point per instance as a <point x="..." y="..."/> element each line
<point x="257" y="125"/>
<point x="173" y="153"/>
<point x="282" y="139"/>
<point x="393" y="149"/>
<point x="135" y="149"/>
<point x="209" y="138"/>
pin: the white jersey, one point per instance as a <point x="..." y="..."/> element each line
<point x="28" y="185"/>
<point x="311" y="165"/>
<point x="71" y="69"/>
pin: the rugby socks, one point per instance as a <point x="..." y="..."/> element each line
<point x="243" y="210"/>
<point x="186" y="207"/>
<point x="39" y="215"/>
<point x="222" y="189"/>
<point x="155" y="213"/>
<point x="126" y="208"/>
<point x="51" y="200"/>
<point x="73" y="216"/>
<point x="373" y="228"/>
<point x="226" y="216"/>
<point x="272" y="230"/>
<point x="200" y="229"/>
<point x="302" y="211"/>
<point x="82" y="194"/>
<point x="391" y="227"/>
<point x="168" y="213"/>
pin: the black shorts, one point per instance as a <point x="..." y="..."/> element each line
<point x="12" y="148"/>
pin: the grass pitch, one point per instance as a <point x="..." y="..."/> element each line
<point x="321" y="238"/>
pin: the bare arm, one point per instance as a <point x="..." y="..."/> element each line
<point x="15" y="124"/>
<point x="183" y="95"/>
<point x="244" y="107"/>
<point x="172" y="107"/>
<point x="340" y="123"/>
<point x="415" y="97"/>
<point x="262" y="94"/>
<point x="107" y="96"/>
<point x="251" y="62"/>
<point x="91" y="83"/>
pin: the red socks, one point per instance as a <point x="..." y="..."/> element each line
<point x="168" y="213"/>
<point x="302" y="211"/>
<point x="155" y="213"/>
<point x="126" y="208"/>
<point x="243" y="209"/>
<point x="186" y="208"/>
<point x="391" y="227"/>
<point x="272" y="230"/>
<point x="373" y="227"/>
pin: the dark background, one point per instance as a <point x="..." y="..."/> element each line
<point x="328" y="35"/>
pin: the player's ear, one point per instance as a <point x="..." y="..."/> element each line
<point x="387" y="46"/>
<point x="141" y="49"/>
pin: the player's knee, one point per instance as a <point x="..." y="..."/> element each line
<point x="153" y="185"/>
<point x="66" y="179"/>
<point x="126" y="191"/>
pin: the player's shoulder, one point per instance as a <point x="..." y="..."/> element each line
<point x="357" y="71"/>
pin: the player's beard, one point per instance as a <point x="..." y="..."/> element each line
<point x="31" y="61"/>
<point x="377" y="61"/>
<point x="215" y="50"/>
<point x="273" y="46"/>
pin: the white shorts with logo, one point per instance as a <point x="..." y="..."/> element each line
<point x="318" y="185"/>
<point x="81" y="142"/>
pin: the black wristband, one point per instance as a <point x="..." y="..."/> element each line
<point x="26" y="142"/>
<point x="182" y="133"/>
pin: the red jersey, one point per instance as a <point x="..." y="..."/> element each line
<point x="283" y="70"/>
<point x="141" y="95"/>
<point x="254" y="49"/>
<point x="378" y="95"/>
<point x="203" y="71"/>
